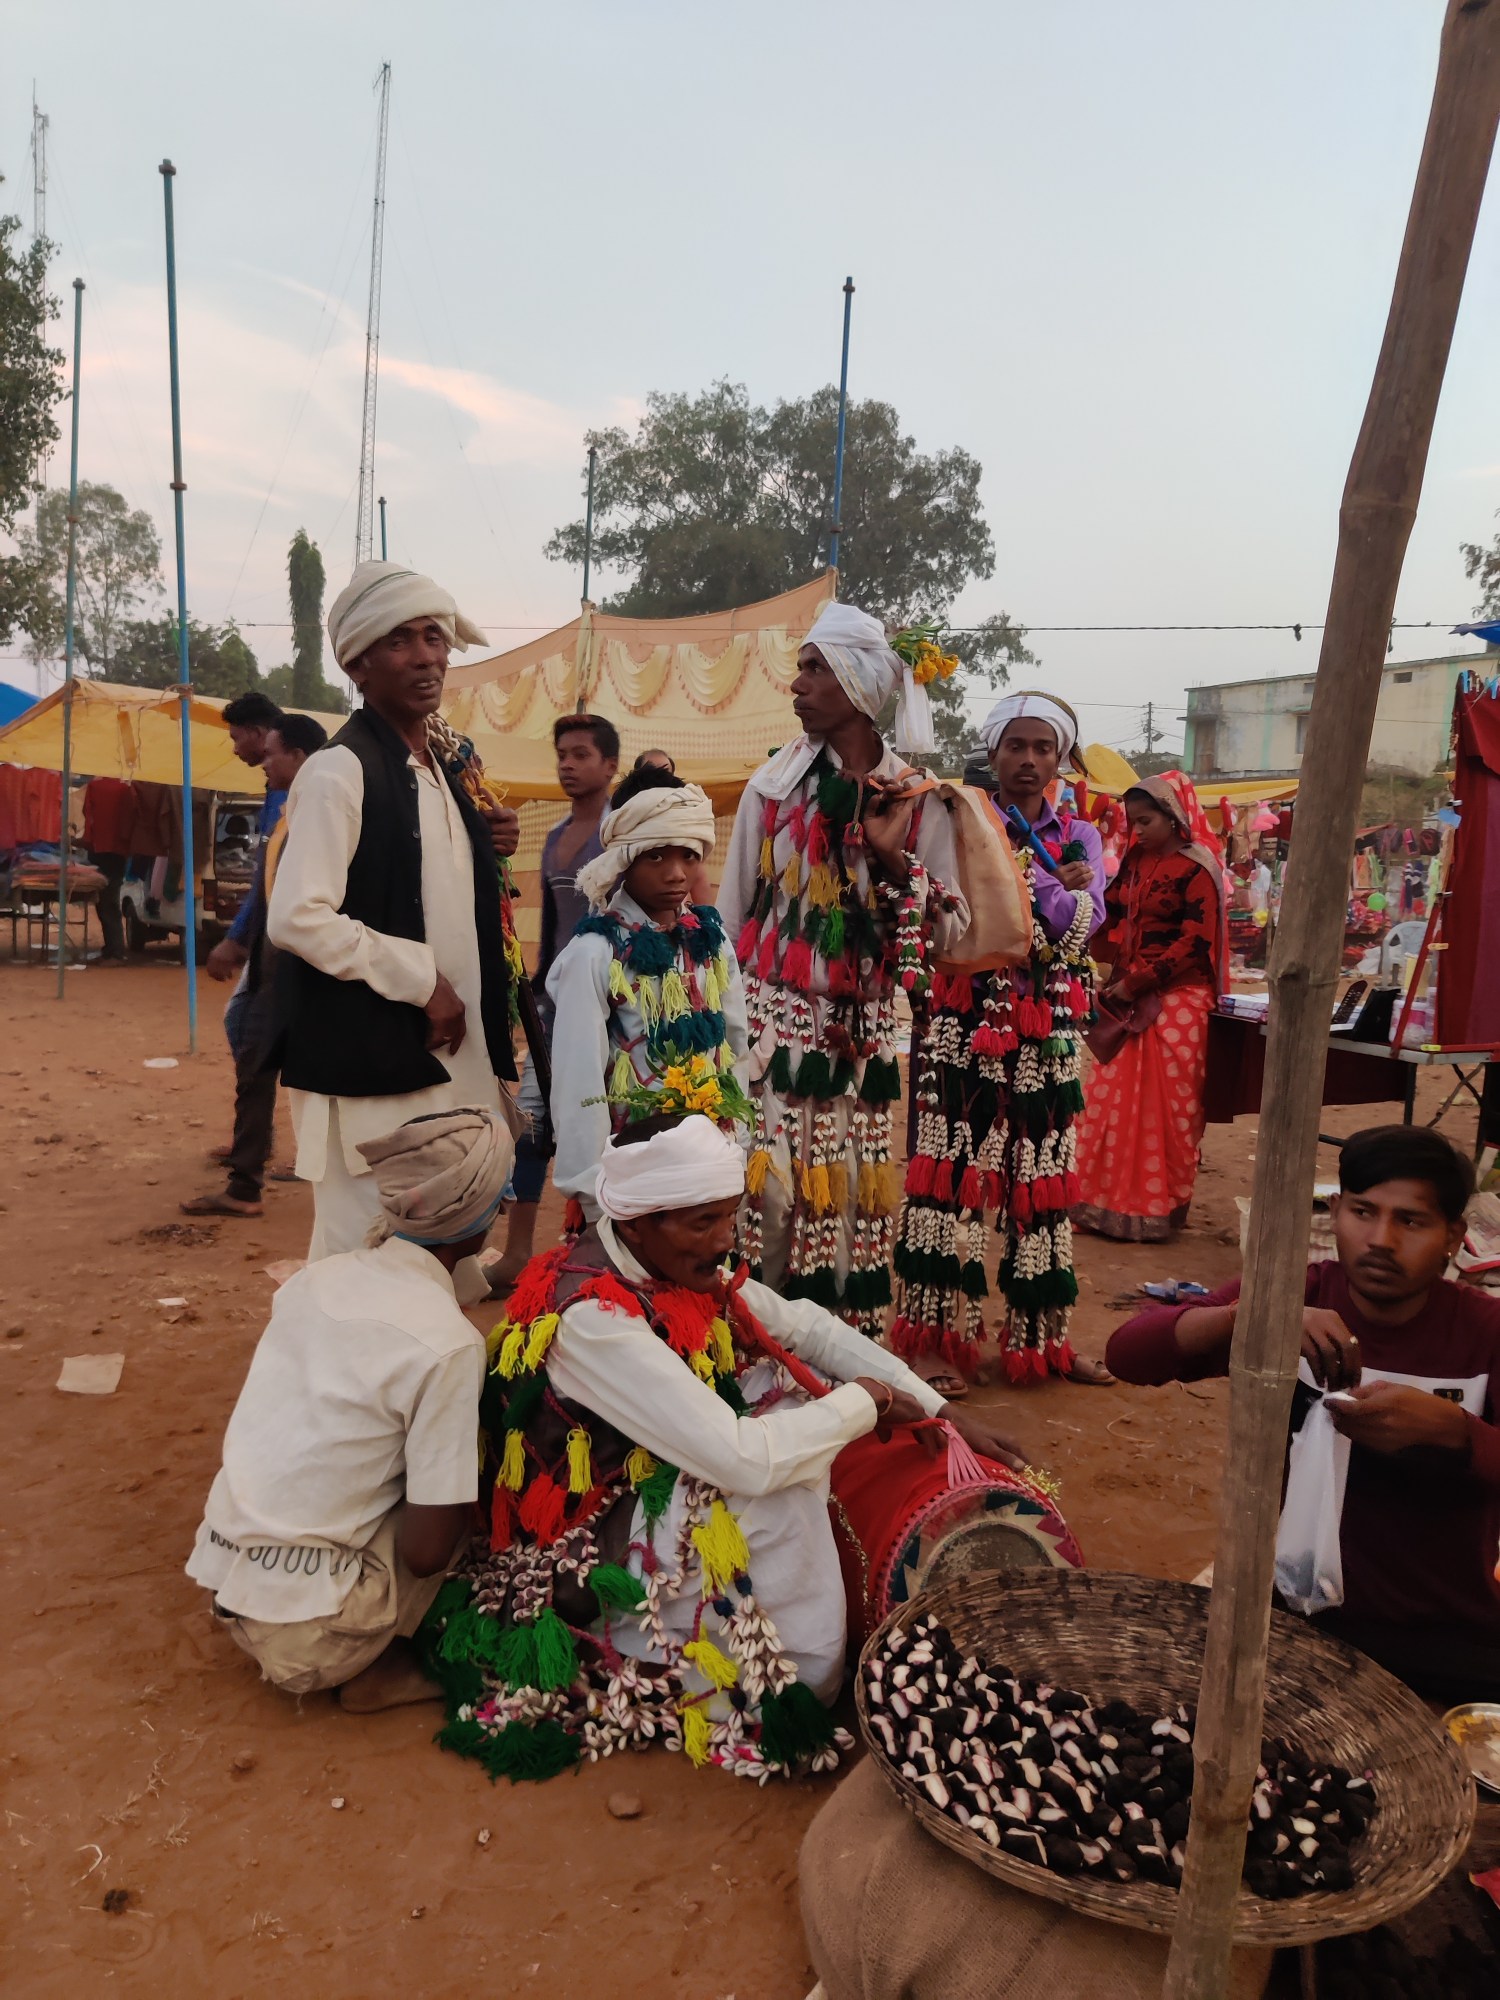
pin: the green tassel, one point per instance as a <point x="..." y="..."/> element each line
<point x="881" y="1083"/>
<point x="791" y="923"/>
<point x="515" y="1657"/>
<point x="814" y="1078"/>
<point x="779" y="1076"/>
<point x="529" y="1752"/>
<point x="794" y="1726"/>
<point x="975" y="1284"/>
<point x="821" y="1286"/>
<point x="730" y="1392"/>
<point x="615" y="1588"/>
<point x="556" y="1655"/>
<point x="841" y="1083"/>
<point x="833" y="933"/>
<point x="655" y="1493"/>
<point x="463" y="1636"/>
<point x="465" y="1739"/>
<point x="524" y="1402"/>
<point x="452" y="1598"/>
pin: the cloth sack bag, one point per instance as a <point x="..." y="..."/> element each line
<point x="991" y="882"/>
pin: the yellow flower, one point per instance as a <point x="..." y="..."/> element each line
<point x="675" y="1079"/>
<point x="704" y="1098"/>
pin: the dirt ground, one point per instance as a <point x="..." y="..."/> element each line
<point x="272" y="1848"/>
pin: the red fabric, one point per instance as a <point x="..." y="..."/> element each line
<point x="30" y="805"/>
<point x="1141" y="1127"/>
<point x="1419" y="1537"/>
<point x="109" y="816"/>
<point x="1468" y="994"/>
<point x="1161" y="923"/>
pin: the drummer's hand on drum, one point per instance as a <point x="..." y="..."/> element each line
<point x="980" y="1434"/>
<point x="894" y="1406"/>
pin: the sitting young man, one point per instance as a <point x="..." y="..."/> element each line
<point x="1414" y="1366"/>
<point x="349" y="1473"/>
<point x="663" y="1439"/>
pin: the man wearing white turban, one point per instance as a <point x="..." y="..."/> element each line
<point x="648" y="980"/>
<point x="393" y="994"/>
<point x="1005" y="1046"/>
<point x="349" y="1475"/>
<point x="663" y="1433"/>
<point x="835" y="865"/>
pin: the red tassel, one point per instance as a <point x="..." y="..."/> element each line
<point x="1072" y="1191"/>
<point x="1038" y="1364"/>
<point x="1017" y="1367"/>
<point x="685" y="1317"/>
<point x="986" y="1042"/>
<point x="796" y="823"/>
<point x="1060" y="1356"/>
<point x="817" y="840"/>
<point x="574" y="1219"/>
<point x="796" y="967"/>
<point x="768" y="818"/>
<point x="765" y="963"/>
<point x="502" y="1520"/>
<point x="841" y="977"/>
<point x="993" y="1191"/>
<point x="919" y="1172"/>
<point x="745" y="943"/>
<point x="541" y="1510"/>
<point x="1020" y="1204"/>
<point x="942" y="1181"/>
<point x="532" y="1295"/>
<point x="1078" y="1000"/>
<point x="971" y="1188"/>
<point x="607" y="1291"/>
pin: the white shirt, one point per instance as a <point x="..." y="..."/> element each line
<point x="589" y="1028"/>
<point x="363" y="1391"/>
<point x="324" y="812"/>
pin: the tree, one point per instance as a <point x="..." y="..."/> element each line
<point x="220" y="662"/>
<point x="119" y="563"/>
<point x="30" y="389"/>
<point x="306" y="687"/>
<point x="715" y="501"/>
<point x="1482" y="565"/>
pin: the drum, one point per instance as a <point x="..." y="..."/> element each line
<point x="902" y="1524"/>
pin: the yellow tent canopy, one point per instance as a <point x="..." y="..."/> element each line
<point x="131" y="732"/>
<point x="713" y="691"/>
<point x="1108" y="771"/>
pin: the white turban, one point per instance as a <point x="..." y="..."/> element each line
<point x="686" y="1165"/>
<point x="853" y="644"/>
<point x="663" y="816"/>
<point x="1045" y="709"/>
<point x="441" y="1178"/>
<point x="382" y="595"/>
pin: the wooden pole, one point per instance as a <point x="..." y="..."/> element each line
<point x="1375" y="519"/>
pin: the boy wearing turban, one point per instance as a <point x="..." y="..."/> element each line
<point x="839" y="882"/>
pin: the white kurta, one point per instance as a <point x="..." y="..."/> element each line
<point x="324" y="811"/>
<point x="589" y="1030"/>
<point x="771" y="1469"/>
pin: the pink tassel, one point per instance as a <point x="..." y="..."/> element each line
<point x="965" y="1467"/>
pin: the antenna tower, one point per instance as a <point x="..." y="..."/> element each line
<point x="364" y="529"/>
<point x="39" y="123"/>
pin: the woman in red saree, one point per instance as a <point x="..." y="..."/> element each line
<point x="1163" y="939"/>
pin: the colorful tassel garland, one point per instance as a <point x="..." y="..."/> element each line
<point x="580" y="1468"/>
<point x="722" y="1549"/>
<point x="716" y="1669"/>
<point x="697" y="1733"/>
<point x="542" y="1509"/>
<point x="639" y="1466"/>
<point x="615" y="1588"/>
<point x="539" y="1338"/>
<point x="513" y="1462"/>
<point x="556" y="1654"/>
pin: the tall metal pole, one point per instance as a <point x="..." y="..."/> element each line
<point x="67" y="769"/>
<point x="383" y="556"/>
<point x="364" y="526"/>
<point x="39" y="123"/>
<point x="184" y="681"/>
<point x="588" y="523"/>
<point x="838" y="448"/>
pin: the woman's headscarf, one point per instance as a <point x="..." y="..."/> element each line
<point x="1174" y="793"/>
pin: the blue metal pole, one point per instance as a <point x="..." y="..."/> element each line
<point x="67" y="769"/>
<point x="838" y="449"/>
<point x="383" y="556"/>
<point x="184" y="680"/>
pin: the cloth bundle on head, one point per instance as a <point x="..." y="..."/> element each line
<point x="441" y="1178"/>
<point x="1044" y="707"/>
<point x="853" y="644"/>
<point x="687" y="1164"/>
<point x="382" y="595"/>
<point x="664" y="816"/>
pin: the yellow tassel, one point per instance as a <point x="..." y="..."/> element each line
<point x="714" y="1666"/>
<point x="711" y="993"/>
<point x="619" y="986"/>
<point x="580" y="1471"/>
<point x="721" y="972"/>
<point x="493" y="1341"/>
<point x="702" y="1365"/>
<point x="696" y="1731"/>
<point x="639" y="1465"/>
<point x="513" y="1463"/>
<point x="756" y="1168"/>
<point x="838" y="1188"/>
<point x="866" y="1188"/>
<point x="791" y="875"/>
<point x="511" y="1349"/>
<point x="622" y="1076"/>
<point x="723" y="1347"/>
<point x="819" y="1195"/>
<point x="539" y="1338"/>
<point x="888" y="1187"/>
<point x="648" y="999"/>
<point x="822" y="887"/>
<point x="674" y="999"/>
<point x="722" y="1549"/>
<point x="767" y="860"/>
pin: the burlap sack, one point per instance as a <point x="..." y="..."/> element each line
<point x="891" y="1915"/>
<point x="991" y="882"/>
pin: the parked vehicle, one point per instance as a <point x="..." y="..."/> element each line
<point x="222" y="887"/>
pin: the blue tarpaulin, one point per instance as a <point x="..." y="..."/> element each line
<point x="14" y="701"/>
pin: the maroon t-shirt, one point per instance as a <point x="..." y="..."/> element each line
<point x="1420" y="1531"/>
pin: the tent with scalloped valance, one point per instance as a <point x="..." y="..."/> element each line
<point x="713" y="691"/>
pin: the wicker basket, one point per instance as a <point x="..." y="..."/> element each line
<point x="1141" y="1640"/>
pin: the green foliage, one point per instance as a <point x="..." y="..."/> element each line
<point x="220" y="662"/>
<point x="31" y="386"/>
<point x="1482" y="566"/>
<point x="119" y="564"/>
<point x="306" y="687"/>
<point x="1391" y="794"/>
<point x="715" y="502"/>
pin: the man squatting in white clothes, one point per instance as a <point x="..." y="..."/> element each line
<point x="393" y="993"/>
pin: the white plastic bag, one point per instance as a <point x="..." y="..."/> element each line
<point x="1309" y="1561"/>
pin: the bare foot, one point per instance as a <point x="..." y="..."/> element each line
<point x="395" y="1680"/>
<point x="220" y="1204"/>
<point x="938" y="1375"/>
<point x="1092" y="1372"/>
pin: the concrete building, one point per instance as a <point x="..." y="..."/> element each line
<point x="1254" y="729"/>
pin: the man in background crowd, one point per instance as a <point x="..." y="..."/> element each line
<point x="248" y="718"/>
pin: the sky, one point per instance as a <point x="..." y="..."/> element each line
<point x="1135" y="259"/>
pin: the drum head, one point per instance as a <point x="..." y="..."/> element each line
<point x="974" y="1532"/>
